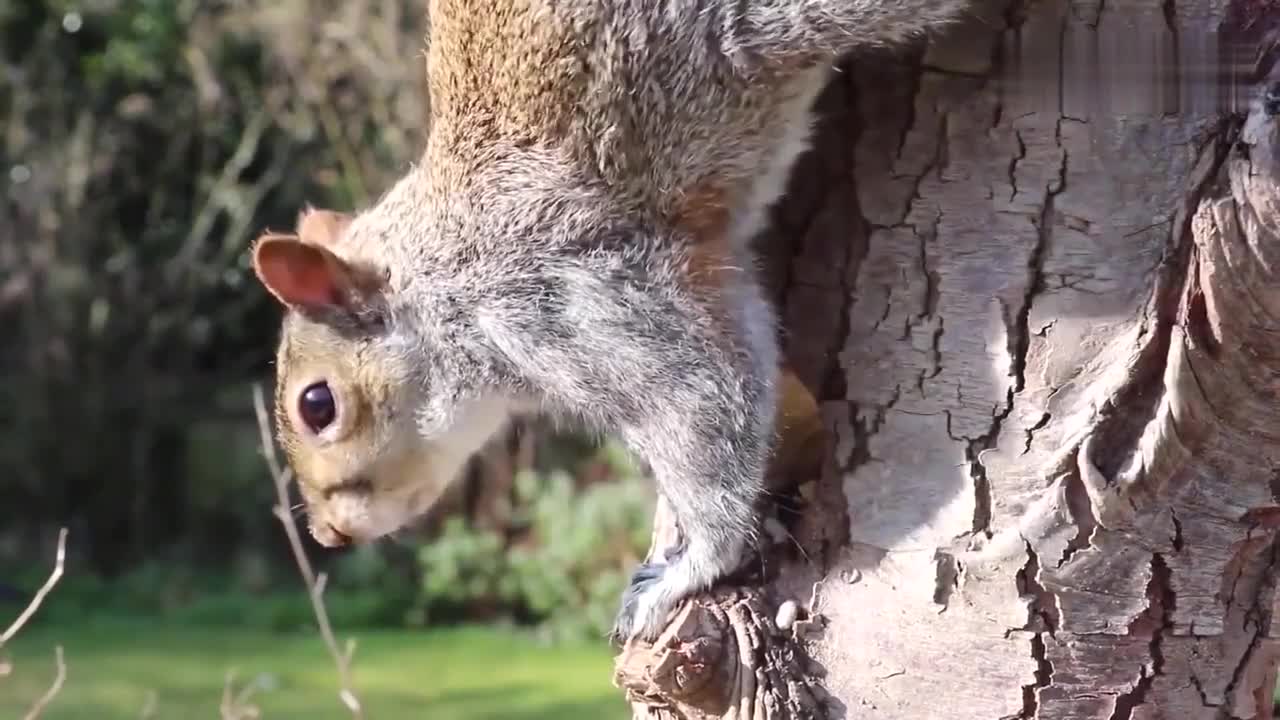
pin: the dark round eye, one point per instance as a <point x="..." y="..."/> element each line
<point x="316" y="406"/>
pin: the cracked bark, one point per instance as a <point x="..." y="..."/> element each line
<point x="1038" y="311"/>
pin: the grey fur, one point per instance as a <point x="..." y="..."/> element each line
<point x="541" y="256"/>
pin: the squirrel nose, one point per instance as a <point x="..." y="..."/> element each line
<point x="340" y="538"/>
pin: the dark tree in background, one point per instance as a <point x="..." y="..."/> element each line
<point x="1031" y="277"/>
<point x="143" y="146"/>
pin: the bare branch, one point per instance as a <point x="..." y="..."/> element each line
<point x="315" y="586"/>
<point x="216" y="200"/>
<point x="6" y="667"/>
<point x="56" y="687"/>
<point x="59" y="562"/>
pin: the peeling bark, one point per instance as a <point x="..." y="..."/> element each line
<point x="1038" y="307"/>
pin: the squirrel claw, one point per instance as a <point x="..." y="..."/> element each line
<point x="645" y="577"/>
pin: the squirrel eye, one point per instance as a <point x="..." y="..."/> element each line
<point x="316" y="406"/>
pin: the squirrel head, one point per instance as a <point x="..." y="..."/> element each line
<point x="349" y="387"/>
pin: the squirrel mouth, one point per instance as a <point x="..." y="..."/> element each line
<point x="331" y="537"/>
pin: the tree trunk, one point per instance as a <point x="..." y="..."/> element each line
<point x="1031" y="278"/>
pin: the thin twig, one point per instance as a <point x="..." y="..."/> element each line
<point x="53" y="690"/>
<point x="315" y="587"/>
<point x="236" y="706"/>
<point x="246" y="692"/>
<point x="149" y="705"/>
<point x="59" y="562"/>
<point x="225" y="709"/>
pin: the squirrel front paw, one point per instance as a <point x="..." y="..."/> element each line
<point x="636" y="616"/>
<point x="656" y="589"/>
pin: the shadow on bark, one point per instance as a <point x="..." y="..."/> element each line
<point x="1042" y="331"/>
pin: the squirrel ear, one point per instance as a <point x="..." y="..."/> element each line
<point x="322" y="227"/>
<point x="301" y="274"/>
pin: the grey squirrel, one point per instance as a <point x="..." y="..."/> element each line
<point x="574" y="241"/>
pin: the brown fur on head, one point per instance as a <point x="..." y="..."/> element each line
<point x="346" y="388"/>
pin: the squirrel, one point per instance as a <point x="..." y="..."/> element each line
<point x="574" y="241"/>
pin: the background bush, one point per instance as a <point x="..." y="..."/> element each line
<point x="564" y="564"/>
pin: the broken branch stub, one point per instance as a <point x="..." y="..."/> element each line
<point x="720" y="656"/>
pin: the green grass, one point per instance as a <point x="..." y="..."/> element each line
<point x="455" y="674"/>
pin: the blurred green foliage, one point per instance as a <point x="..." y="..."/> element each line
<point x="573" y="554"/>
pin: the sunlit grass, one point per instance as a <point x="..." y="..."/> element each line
<point x="462" y="674"/>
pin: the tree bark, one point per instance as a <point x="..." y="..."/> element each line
<point x="1031" y="277"/>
